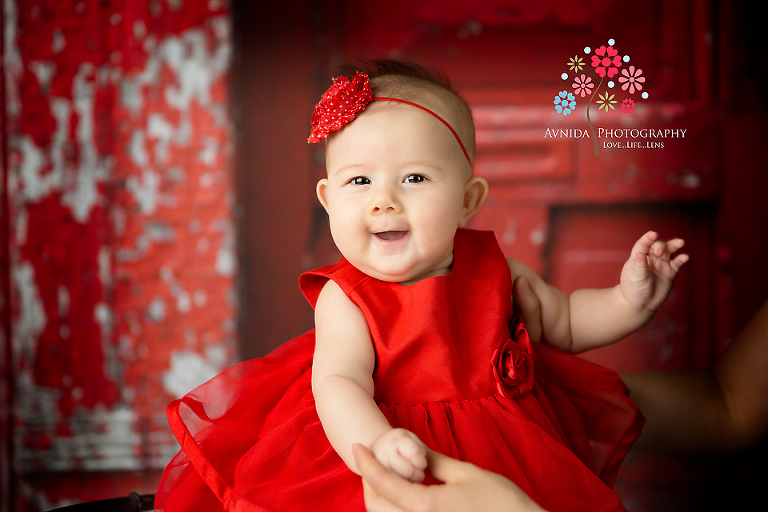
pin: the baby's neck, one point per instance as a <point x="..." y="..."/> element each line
<point x="440" y="271"/>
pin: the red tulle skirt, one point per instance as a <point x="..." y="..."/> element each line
<point x="252" y="441"/>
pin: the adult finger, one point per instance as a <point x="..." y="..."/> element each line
<point x="384" y="484"/>
<point x="530" y="307"/>
<point x="447" y="469"/>
<point x="376" y="503"/>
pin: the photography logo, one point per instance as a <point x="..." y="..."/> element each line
<point x="613" y="85"/>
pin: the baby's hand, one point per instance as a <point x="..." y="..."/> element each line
<point x="650" y="271"/>
<point x="401" y="452"/>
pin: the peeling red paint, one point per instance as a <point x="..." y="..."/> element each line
<point x="121" y="239"/>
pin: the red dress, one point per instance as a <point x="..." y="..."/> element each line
<point x="453" y="366"/>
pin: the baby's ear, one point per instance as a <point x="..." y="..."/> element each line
<point x="322" y="190"/>
<point x="475" y="193"/>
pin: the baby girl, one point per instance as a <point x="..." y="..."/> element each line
<point x="416" y="344"/>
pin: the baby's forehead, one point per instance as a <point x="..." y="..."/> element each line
<point x="443" y="102"/>
<point x="429" y="95"/>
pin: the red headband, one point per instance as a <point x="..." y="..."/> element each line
<point x="345" y="99"/>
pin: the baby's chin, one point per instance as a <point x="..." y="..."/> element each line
<point x="389" y="274"/>
<point x="402" y="276"/>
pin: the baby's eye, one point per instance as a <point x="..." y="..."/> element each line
<point x="414" y="178"/>
<point x="360" y="180"/>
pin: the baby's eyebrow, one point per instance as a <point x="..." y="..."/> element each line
<point x="347" y="167"/>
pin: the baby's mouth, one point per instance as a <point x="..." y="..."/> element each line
<point x="390" y="236"/>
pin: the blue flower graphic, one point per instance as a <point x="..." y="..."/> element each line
<point x="565" y="103"/>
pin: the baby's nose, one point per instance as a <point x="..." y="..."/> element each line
<point x="385" y="199"/>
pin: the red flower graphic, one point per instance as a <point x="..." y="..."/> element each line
<point x="513" y="364"/>
<point x="628" y="106"/>
<point x="606" y="61"/>
<point x="339" y="105"/>
<point x="633" y="79"/>
<point x="583" y="85"/>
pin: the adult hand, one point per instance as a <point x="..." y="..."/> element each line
<point x="467" y="488"/>
<point x="529" y="305"/>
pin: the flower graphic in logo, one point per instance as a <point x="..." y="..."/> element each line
<point x="576" y="64"/>
<point x="583" y="85"/>
<point x="512" y="365"/>
<point x="628" y="105"/>
<point x="632" y="79"/>
<point x="613" y="70"/>
<point x="606" y="101"/>
<point x="565" y="102"/>
<point x="606" y="61"/>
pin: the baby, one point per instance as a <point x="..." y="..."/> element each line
<point x="399" y="184"/>
<point x="416" y="343"/>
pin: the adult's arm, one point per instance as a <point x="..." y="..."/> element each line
<point x="722" y="409"/>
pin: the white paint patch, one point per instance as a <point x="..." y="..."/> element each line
<point x="137" y="149"/>
<point x="209" y="152"/>
<point x="31" y="320"/>
<point x="63" y="295"/>
<point x="225" y="256"/>
<point x="130" y="95"/>
<point x="44" y="71"/>
<point x="102" y="439"/>
<point x="160" y="129"/>
<point x="105" y="265"/>
<point x="34" y="184"/>
<point x="102" y="313"/>
<point x="91" y="170"/>
<point x="12" y="63"/>
<point x="156" y="310"/>
<point x="22" y="222"/>
<point x="157" y="232"/>
<point x="145" y="191"/>
<point x="187" y="371"/>
<point x="60" y="143"/>
<point x="538" y="236"/>
<point x="183" y="302"/>
<point x="59" y="42"/>
<point x="139" y="29"/>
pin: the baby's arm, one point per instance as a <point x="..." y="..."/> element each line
<point x="342" y="384"/>
<point x="591" y="318"/>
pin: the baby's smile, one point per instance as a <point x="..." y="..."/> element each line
<point x="391" y="236"/>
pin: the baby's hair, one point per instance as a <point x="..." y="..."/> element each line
<point x="412" y="81"/>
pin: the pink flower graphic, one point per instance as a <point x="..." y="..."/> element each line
<point x="628" y="105"/>
<point x="632" y="79"/>
<point x="583" y="85"/>
<point x="606" y="61"/>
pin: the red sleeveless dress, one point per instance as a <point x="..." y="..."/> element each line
<point x="453" y="366"/>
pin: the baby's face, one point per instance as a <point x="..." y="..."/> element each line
<point x="395" y="192"/>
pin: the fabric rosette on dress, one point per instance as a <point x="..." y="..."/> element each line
<point x="512" y="363"/>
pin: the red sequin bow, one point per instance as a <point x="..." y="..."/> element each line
<point x="346" y="99"/>
<point x="339" y="105"/>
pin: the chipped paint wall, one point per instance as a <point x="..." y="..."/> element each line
<point x="121" y="240"/>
